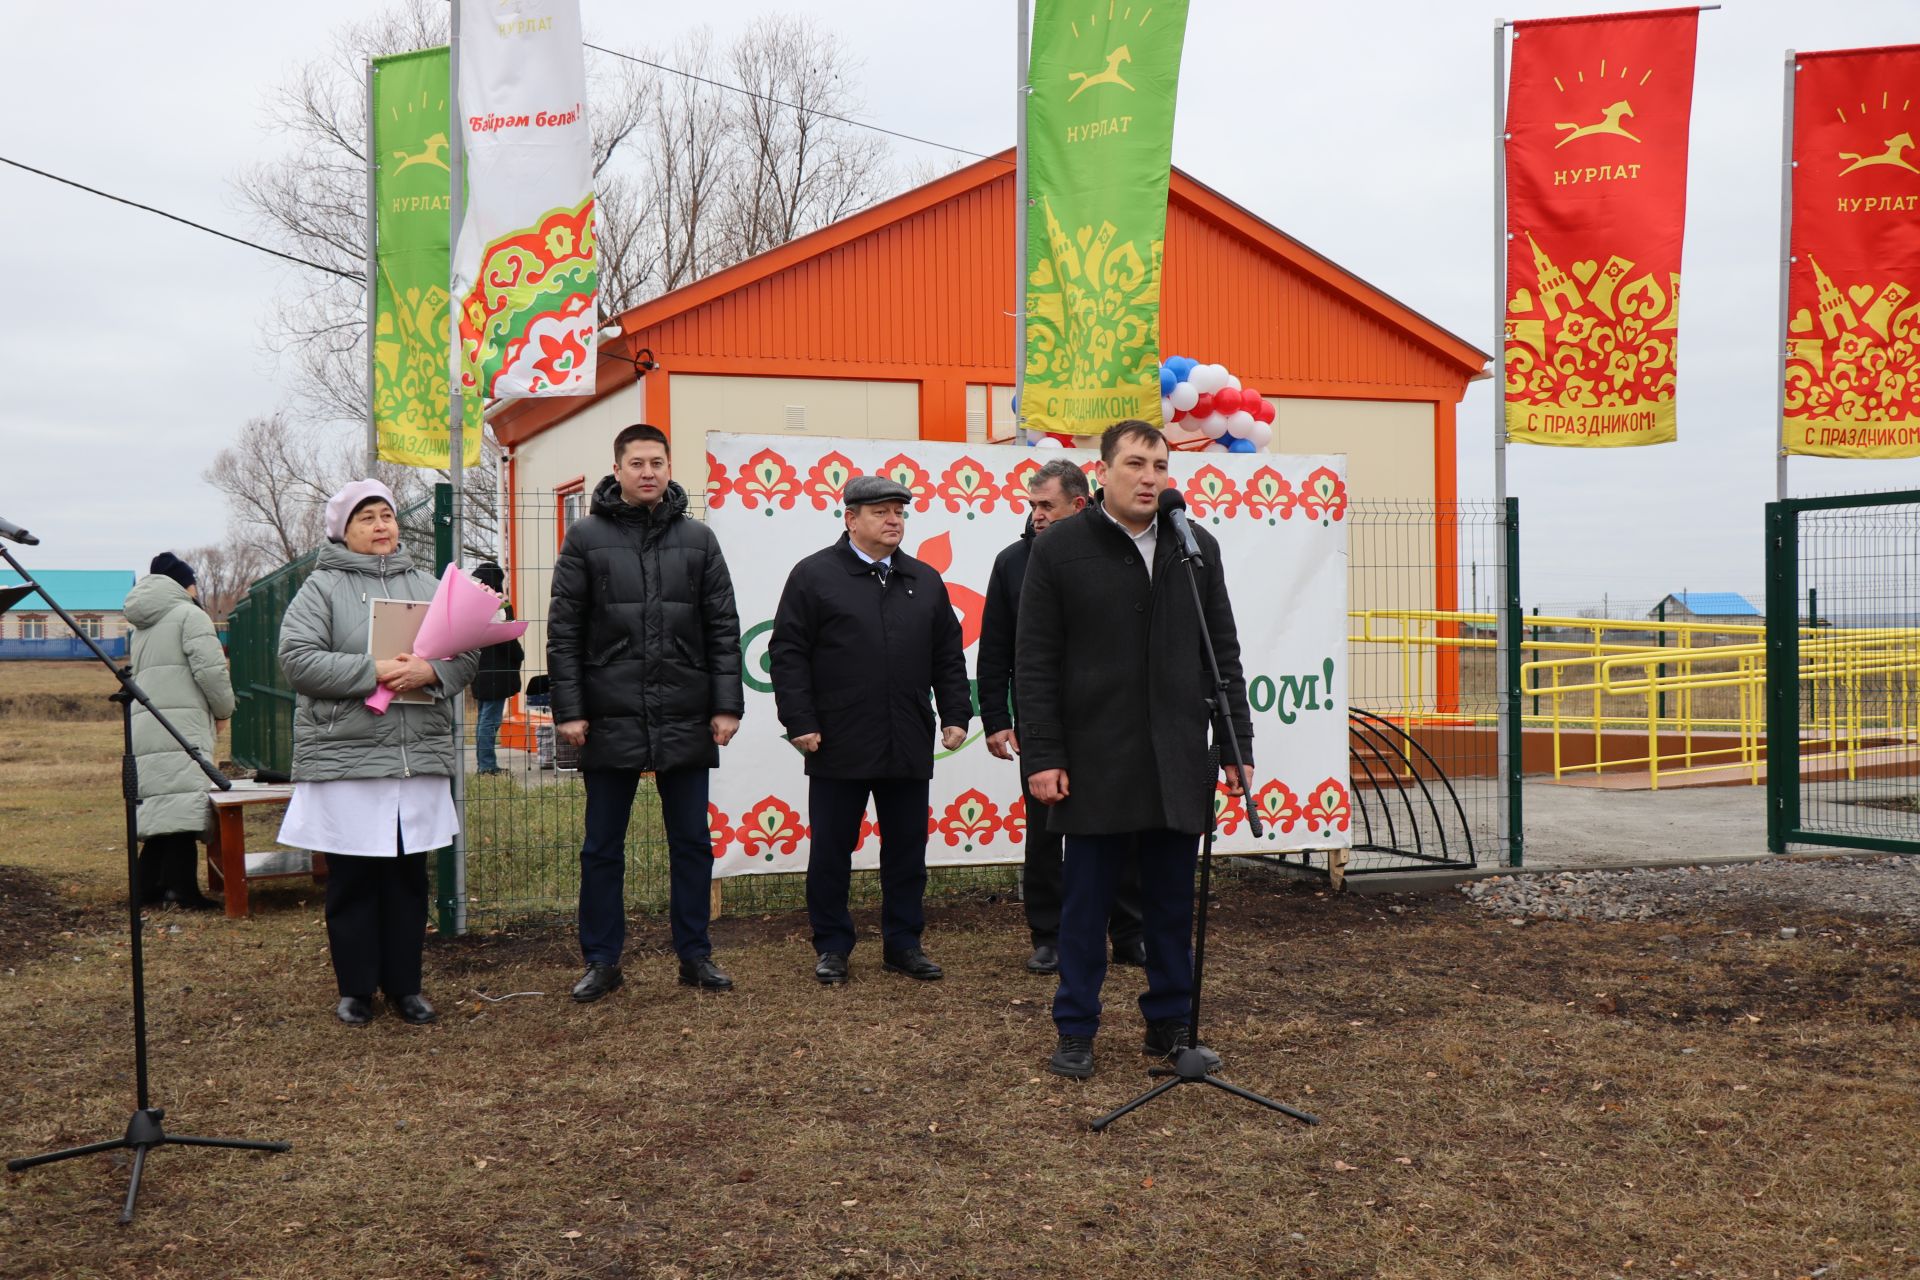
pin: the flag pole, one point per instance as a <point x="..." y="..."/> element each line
<point x="1020" y="91"/>
<point x="456" y="445"/>
<point x="1503" y="630"/>
<point x="373" y="275"/>
<point x="1780" y="484"/>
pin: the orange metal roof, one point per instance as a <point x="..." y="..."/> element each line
<point x="920" y="287"/>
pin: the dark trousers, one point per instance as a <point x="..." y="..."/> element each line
<point x="377" y="922"/>
<point x="1092" y="869"/>
<point x="167" y="862"/>
<point x="603" y="861"/>
<point x="836" y="806"/>
<point x="1040" y="886"/>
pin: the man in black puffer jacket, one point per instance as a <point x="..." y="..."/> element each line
<point x="643" y="654"/>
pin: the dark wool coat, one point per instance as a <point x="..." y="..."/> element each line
<point x="994" y="670"/>
<point x="1111" y="679"/>
<point x="499" y="675"/>
<point x="643" y="640"/>
<point x="854" y="661"/>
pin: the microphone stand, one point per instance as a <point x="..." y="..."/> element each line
<point x="144" y="1130"/>
<point x="1196" y="1064"/>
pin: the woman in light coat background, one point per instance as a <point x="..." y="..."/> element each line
<point x="370" y="791"/>
<point x="178" y="662"/>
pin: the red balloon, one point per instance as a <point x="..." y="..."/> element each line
<point x="1202" y="407"/>
<point x="1267" y="413"/>
<point x="1226" y="400"/>
<point x="1177" y="415"/>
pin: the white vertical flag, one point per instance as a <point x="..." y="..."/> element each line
<point x="526" y="267"/>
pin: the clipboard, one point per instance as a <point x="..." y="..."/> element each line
<point x="394" y="627"/>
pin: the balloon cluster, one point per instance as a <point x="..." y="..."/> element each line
<point x="1046" y="439"/>
<point x="1208" y="399"/>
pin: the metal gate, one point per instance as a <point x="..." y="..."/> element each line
<point x="1843" y="672"/>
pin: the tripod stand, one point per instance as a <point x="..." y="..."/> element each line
<point x="1196" y="1064"/>
<point x="144" y="1130"/>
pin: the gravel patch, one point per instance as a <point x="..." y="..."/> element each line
<point x="1888" y="888"/>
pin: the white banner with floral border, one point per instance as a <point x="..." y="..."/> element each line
<point x="1283" y="536"/>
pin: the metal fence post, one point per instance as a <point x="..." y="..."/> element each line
<point x="447" y="861"/>
<point x="1660" y="639"/>
<point x="1516" y="748"/>
<point x="1783" y="674"/>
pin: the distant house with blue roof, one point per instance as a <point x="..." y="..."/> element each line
<point x="1708" y="606"/>
<point x="95" y="598"/>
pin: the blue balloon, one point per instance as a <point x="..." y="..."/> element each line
<point x="1181" y="366"/>
<point x="1239" y="444"/>
<point x="1167" y="381"/>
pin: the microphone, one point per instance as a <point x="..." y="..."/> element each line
<point x="1173" y="505"/>
<point x="8" y="529"/>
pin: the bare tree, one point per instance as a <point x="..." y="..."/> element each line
<point x="803" y="166"/>
<point x="224" y="571"/>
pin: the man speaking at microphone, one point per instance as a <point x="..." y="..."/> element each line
<point x="1113" y="693"/>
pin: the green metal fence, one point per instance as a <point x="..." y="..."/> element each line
<point x="1843" y="672"/>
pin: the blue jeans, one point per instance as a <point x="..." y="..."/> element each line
<point x="486" y="733"/>
<point x="1093" y="869"/>
<point x="603" y="861"/>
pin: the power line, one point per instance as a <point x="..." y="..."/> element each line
<point x="791" y="106"/>
<point x="174" y="217"/>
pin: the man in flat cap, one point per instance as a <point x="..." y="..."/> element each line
<point x="864" y="632"/>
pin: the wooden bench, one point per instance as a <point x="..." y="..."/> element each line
<point x="230" y="866"/>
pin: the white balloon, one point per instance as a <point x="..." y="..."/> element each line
<point x="1231" y="380"/>
<point x="1241" y="424"/>
<point x="1207" y="378"/>
<point x="1185" y="396"/>
<point x="1262" y="433"/>
<point x="1166" y="410"/>
<point x="1215" y="447"/>
<point x="1214" y="424"/>
<point x="1047" y="442"/>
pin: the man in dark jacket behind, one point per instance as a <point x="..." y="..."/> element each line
<point x="1113" y="688"/>
<point x="497" y="679"/>
<point x="863" y="632"/>
<point x="643" y="655"/>
<point x="1054" y="492"/>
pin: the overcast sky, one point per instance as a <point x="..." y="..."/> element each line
<point x="132" y="347"/>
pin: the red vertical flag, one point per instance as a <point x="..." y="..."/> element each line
<point x="1853" y="322"/>
<point x="1596" y="199"/>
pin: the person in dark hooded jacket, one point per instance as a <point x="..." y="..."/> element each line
<point x="497" y="679"/>
<point x="1054" y="492"/>
<point x="643" y="658"/>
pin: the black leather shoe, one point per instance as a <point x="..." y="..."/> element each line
<point x="1045" y="959"/>
<point x="355" y="1011"/>
<point x="597" y="981"/>
<point x="1073" y="1058"/>
<point x="414" y="1009"/>
<point x="1133" y="951"/>
<point x="914" y="964"/>
<point x="1165" y="1038"/>
<point x="831" y="969"/>
<point x="702" y="972"/>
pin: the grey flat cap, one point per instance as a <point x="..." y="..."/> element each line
<point x="864" y="490"/>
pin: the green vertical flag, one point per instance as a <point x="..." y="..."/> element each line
<point x="1099" y="146"/>
<point x="412" y="194"/>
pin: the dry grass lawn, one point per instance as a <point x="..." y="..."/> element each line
<point x="1563" y="1100"/>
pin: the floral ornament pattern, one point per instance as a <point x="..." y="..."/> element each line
<point x="869" y="830"/>
<point x="971" y="819"/>
<point x="769" y="826"/>
<point x="1015" y="823"/>
<point x="1591" y="337"/>
<point x="1269" y="494"/>
<point x="1862" y="368"/>
<point x="717" y="485"/>
<point x="1093" y="306"/>
<point x="966" y="485"/>
<point x="1229" y="811"/>
<point x="1277" y="806"/>
<point x="1211" y="493"/>
<point x="1323" y="496"/>
<point x="1328" y="807"/>
<point x="767" y="478"/>
<point x="909" y="475"/>
<point x="526" y="325"/>
<point x="718" y="831"/>
<point x="827" y="481"/>
<point x="1015" y="490"/>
